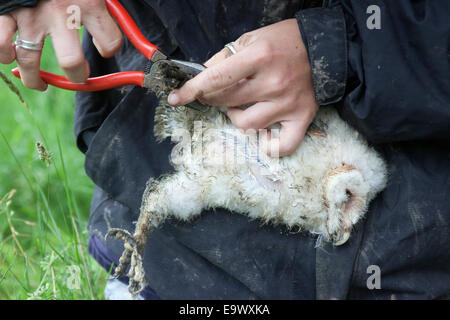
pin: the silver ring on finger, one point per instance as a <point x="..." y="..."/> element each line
<point x="231" y="47"/>
<point x="29" y="45"/>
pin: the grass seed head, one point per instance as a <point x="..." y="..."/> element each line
<point x="44" y="155"/>
<point x="14" y="89"/>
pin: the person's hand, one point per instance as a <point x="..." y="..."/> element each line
<point x="49" y="17"/>
<point x="270" y="70"/>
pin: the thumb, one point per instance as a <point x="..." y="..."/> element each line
<point x="280" y="142"/>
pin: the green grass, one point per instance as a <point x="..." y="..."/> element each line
<point x="43" y="238"/>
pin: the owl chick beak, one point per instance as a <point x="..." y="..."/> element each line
<point x="343" y="238"/>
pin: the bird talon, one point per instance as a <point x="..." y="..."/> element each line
<point x="130" y="248"/>
<point x="120" y="234"/>
<point x="132" y="258"/>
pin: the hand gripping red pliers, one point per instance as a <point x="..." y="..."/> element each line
<point x="164" y="73"/>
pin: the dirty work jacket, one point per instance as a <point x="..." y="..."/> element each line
<point x="389" y="78"/>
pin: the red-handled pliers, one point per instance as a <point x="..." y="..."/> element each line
<point x="164" y="72"/>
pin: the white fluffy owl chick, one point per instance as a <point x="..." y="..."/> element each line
<point x="324" y="187"/>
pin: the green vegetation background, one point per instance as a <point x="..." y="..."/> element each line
<point x="43" y="238"/>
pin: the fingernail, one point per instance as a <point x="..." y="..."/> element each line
<point x="173" y="99"/>
<point x="43" y="87"/>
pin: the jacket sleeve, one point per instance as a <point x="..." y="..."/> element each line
<point x="388" y="71"/>
<point x="10" y="5"/>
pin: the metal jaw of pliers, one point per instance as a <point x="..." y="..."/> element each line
<point x="164" y="74"/>
<point x="168" y="74"/>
